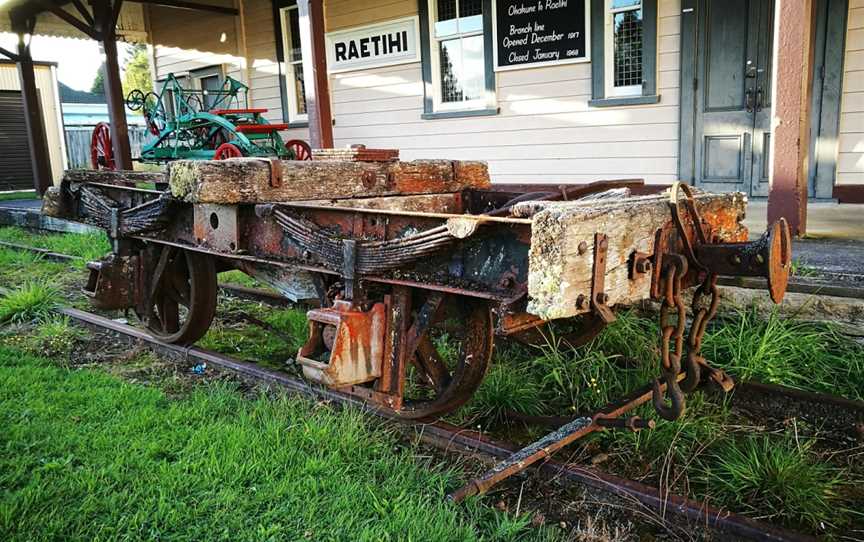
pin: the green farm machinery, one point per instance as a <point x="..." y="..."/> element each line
<point x="200" y="124"/>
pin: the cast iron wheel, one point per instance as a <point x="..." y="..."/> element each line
<point x="449" y="386"/>
<point x="226" y="151"/>
<point x="101" y="152"/>
<point x="301" y="149"/>
<point x="182" y="296"/>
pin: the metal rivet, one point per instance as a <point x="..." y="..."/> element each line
<point x="583" y="247"/>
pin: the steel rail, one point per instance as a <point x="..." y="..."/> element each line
<point x="446" y="437"/>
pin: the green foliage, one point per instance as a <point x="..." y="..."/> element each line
<point x="789" y="352"/>
<point x="89" y="246"/>
<point x="23" y="194"/>
<point x="776" y="479"/>
<point x="98" y="86"/>
<point x="87" y="456"/>
<point x="504" y="389"/>
<point x="239" y="278"/>
<point x="136" y="72"/>
<point x="30" y="301"/>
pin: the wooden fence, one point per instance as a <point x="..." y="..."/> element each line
<point x="78" y="143"/>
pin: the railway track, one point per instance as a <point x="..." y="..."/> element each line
<point x="449" y="437"/>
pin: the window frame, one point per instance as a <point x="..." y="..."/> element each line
<point x="292" y="122"/>
<point x="433" y="106"/>
<point x="603" y="93"/>
<point x="290" y="66"/>
<point x="609" y="50"/>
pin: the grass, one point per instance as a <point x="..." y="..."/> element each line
<point x="89" y="246"/>
<point x="21" y="194"/>
<point x="30" y="301"/>
<point x="274" y="343"/>
<point x="778" y="350"/>
<point x="775" y="479"/>
<point x="84" y="455"/>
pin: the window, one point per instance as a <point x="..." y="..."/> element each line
<point x="457" y="57"/>
<point x="295" y="87"/>
<point x="624" y="47"/>
<point x="623" y="66"/>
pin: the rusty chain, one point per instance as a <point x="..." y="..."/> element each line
<point x="675" y="269"/>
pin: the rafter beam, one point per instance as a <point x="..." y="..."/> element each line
<point x="8" y="54"/>
<point x="83" y="11"/>
<point x="193" y="6"/>
<point x="72" y="20"/>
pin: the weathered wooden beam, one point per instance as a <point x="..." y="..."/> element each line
<point x="561" y="258"/>
<point x="118" y="177"/>
<point x="251" y="180"/>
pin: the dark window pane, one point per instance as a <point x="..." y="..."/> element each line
<point x="628" y="48"/>
<point x="211" y="87"/>
<point x="294" y="28"/>
<point x="446" y="10"/>
<point x="468" y="8"/>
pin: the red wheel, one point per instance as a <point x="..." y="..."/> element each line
<point x="101" y="152"/>
<point x="301" y="149"/>
<point x="226" y="151"/>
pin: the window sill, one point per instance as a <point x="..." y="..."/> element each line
<point x="624" y="100"/>
<point x="298" y="124"/>
<point x="461" y="114"/>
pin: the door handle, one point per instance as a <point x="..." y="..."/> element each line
<point x="748" y="100"/>
<point x="759" y="99"/>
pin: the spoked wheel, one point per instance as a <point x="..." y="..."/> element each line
<point x="445" y="380"/>
<point x="301" y="149"/>
<point x="182" y="295"/>
<point x="101" y="152"/>
<point x="226" y="151"/>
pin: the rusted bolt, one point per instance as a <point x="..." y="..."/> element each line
<point x="736" y="259"/>
<point x="760" y="259"/>
<point x="643" y="266"/>
<point x="582" y="248"/>
<point x="602" y="298"/>
<point x="506" y="282"/>
<point x="580" y="301"/>
<point x="307" y="255"/>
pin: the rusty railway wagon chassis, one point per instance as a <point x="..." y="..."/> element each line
<point x="481" y="263"/>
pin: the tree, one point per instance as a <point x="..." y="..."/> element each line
<point x="137" y="71"/>
<point x="98" y="86"/>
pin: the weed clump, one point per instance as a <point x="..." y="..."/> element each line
<point x="31" y="301"/>
<point x="773" y="479"/>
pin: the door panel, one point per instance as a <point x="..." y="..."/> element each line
<point x="733" y="64"/>
<point x="762" y="102"/>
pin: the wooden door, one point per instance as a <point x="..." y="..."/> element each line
<point x="732" y="98"/>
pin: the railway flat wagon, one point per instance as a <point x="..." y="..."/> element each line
<point x="388" y="252"/>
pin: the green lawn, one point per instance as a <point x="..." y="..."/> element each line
<point x="23" y="194"/>
<point x="86" y="456"/>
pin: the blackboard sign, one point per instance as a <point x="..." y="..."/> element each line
<point x="540" y="32"/>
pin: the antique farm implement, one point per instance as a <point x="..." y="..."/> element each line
<point x="200" y="125"/>
<point x="387" y="252"/>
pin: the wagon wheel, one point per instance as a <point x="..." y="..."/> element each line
<point x="448" y="384"/>
<point x="301" y="149"/>
<point x="152" y="115"/>
<point x="181" y="300"/>
<point x="135" y="99"/>
<point x="101" y="152"/>
<point x="226" y="151"/>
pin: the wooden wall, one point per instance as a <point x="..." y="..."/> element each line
<point x="545" y="131"/>
<point x="850" y="162"/>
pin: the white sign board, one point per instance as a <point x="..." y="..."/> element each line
<point x="380" y="44"/>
